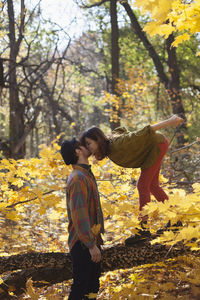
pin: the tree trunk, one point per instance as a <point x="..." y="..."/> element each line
<point x="115" y="119"/>
<point x="174" y="89"/>
<point x="50" y="268"/>
<point x="16" y="107"/>
<point x="2" y="81"/>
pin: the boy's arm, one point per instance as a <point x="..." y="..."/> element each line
<point x="173" y="121"/>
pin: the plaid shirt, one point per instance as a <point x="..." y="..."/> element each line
<point x="83" y="207"/>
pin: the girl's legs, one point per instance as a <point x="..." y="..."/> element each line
<point x="149" y="180"/>
<point x="156" y="190"/>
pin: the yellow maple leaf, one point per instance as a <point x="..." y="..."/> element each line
<point x="63" y="238"/>
<point x="96" y="229"/>
<point x="30" y="290"/>
<point x="136" y="277"/>
<point x="12" y="216"/>
<point x="91" y="295"/>
<point x="42" y="210"/>
<point x="179" y="39"/>
<point x="196" y="186"/>
<point x="54" y="215"/>
<point x="166" y="30"/>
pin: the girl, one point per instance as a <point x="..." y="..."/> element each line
<point x="144" y="149"/>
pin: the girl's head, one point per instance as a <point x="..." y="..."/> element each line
<point x="96" y="141"/>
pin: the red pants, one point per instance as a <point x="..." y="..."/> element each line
<point x="149" y="180"/>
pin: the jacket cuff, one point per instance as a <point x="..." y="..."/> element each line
<point x="90" y="244"/>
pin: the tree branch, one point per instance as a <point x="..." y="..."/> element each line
<point x="27" y="201"/>
<point x="185" y="147"/>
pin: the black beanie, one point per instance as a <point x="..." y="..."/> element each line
<point x="68" y="151"/>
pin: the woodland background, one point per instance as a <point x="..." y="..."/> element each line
<point x="137" y="64"/>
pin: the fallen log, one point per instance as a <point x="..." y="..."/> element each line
<point x="50" y="268"/>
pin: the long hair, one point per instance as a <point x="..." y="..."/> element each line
<point x="97" y="135"/>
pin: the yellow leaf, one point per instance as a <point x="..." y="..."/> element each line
<point x="92" y="295"/>
<point x="30" y="290"/>
<point x="96" y="229"/>
<point x="179" y="39"/>
<point x="12" y="216"/>
<point x="54" y="215"/>
<point x="196" y="186"/>
<point x="42" y="210"/>
<point x="166" y="30"/>
<point x="136" y="278"/>
<point x="17" y="181"/>
<point x="63" y="238"/>
<point x="37" y="192"/>
<point x="72" y="125"/>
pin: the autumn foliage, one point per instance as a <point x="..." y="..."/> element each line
<point x="182" y="17"/>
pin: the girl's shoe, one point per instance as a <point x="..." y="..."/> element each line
<point x="142" y="235"/>
<point x="168" y="227"/>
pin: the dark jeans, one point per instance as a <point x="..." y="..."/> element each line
<point x="86" y="273"/>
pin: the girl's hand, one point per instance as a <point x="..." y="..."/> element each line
<point x="175" y="120"/>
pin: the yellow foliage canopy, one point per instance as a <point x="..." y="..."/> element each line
<point x="172" y="16"/>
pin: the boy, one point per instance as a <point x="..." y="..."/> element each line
<point x="84" y="211"/>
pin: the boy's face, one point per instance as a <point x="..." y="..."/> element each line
<point x="85" y="152"/>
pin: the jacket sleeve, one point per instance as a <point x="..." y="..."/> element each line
<point x="78" y="195"/>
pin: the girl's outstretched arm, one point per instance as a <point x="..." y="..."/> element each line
<point x="173" y="121"/>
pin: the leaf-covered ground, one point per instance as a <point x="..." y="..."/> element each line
<point x="33" y="218"/>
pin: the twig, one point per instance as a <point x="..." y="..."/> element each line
<point x="175" y="131"/>
<point x="170" y="249"/>
<point x="26" y="201"/>
<point x="185" y="147"/>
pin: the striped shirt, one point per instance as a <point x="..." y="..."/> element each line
<point x="83" y="207"/>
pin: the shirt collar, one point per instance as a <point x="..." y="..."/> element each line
<point x="85" y="166"/>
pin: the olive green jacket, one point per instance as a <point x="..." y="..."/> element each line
<point x="135" y="150"/>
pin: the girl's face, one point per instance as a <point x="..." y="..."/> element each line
<point x="91" y="145"/>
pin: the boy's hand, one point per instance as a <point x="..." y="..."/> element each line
<point x="175" y="120"/>
<point x="95" y="254"/>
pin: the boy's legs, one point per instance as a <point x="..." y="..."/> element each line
<point x="85" y="273"/>
<point x="93" y="284"/>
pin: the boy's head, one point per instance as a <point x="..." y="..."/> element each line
<point x="68" y="151"/>
<point x="72" y="151"/>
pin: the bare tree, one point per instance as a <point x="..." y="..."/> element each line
<point x="25" y="73"/>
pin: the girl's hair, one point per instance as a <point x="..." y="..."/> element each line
<point x="97" y="135"/>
